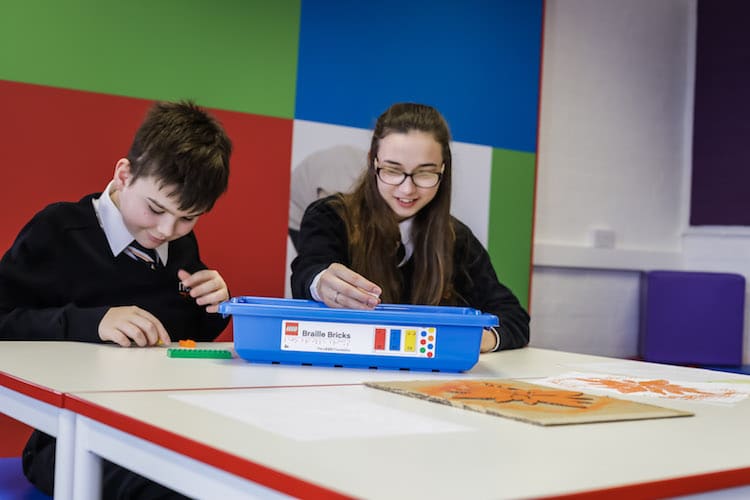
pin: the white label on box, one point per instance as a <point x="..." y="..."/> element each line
<point x="353" y="338"/>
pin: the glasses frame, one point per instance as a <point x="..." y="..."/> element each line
<point x="378" y="168"/>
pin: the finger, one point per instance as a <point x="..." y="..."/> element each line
<point x="337" y="288"/>
<point x="213" y="298"/>
<point x="366" y="286"/>
<point x="357" y="280"/>
<point x="117" y="337"/>
<point x="183" y="275"/>
<point x="341" y="294"/>
<point x="164" y="338"/>
<point x="133" y="332"/>
<point x="153" y="328"/>
<point x="197" y="278"/>
<point x="205" y="288"/>
<point x="359" y="289"/>
<point x="355" y="298"/>
<point x="358" y="299"/>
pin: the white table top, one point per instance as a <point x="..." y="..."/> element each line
<point x="488" y="457"/>
<point x="462" y="455"/>
<point x="479" y="457"/>
<point x="59" y="367"/>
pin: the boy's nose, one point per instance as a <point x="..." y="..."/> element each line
<point x="166" y="228"/>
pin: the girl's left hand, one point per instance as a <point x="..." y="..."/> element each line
<point x="489" y="341"/>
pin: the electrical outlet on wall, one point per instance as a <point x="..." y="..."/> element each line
<point x="602" y="237"/>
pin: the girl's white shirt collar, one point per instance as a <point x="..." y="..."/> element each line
<point x="405" y="228"/>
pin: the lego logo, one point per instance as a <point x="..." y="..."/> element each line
<point x="291" y="329"/>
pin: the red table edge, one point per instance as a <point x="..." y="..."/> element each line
<point x="228" y="462"/>
<point x="32" y="390"/>
<point x="666" y="488"/>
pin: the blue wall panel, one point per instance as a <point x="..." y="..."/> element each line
<point x="477" y="61"/>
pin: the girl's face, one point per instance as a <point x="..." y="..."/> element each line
<point x="151" y="215"/>
<point x="414" y="152"/>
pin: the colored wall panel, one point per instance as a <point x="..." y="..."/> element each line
<point x="14" y="436"/>
<point x="238" y="55"/>
<point x="721" y="127"/>
<point x="511" y="217"/>
<point x="477" y="61"/>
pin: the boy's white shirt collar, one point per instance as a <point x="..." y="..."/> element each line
<point x="118" y="236"/>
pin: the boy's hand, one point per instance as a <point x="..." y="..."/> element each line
<point x="126" y="324"/>
<point x="207" y="287"/>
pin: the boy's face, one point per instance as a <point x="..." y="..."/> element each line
<point x="149" y="213"/>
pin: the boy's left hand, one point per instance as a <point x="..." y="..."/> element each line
<point x="207" y="287"/>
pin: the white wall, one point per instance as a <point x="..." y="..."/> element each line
<point x="614" y="154"/>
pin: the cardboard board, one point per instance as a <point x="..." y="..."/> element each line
<point x="527" y="402"/>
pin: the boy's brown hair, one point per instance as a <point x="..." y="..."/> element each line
<point x="184" y="148"/>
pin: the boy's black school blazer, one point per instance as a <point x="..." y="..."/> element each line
<point x="59" y="279"/>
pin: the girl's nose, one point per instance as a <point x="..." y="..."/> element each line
<point x="407" y="186"/>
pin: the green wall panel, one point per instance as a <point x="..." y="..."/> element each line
<point x="511" y="217"/>
<point x="238" y="55"/>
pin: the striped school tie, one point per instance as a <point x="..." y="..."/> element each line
<point x="146" y="255"/>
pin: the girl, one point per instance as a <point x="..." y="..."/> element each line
<point x="393" y="238"/>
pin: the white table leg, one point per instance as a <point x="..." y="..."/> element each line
<point x="87" y="482"/>
<point x="66" y="428"/>
<point x="178" y="472"/>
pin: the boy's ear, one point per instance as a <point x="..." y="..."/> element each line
<point x="122" y="173"/>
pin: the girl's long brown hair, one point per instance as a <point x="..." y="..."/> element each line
<point x="373" y="228"/>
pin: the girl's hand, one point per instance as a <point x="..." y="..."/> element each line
<point x="341" y="287"/>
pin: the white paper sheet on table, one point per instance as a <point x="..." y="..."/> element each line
<point x="652" y="386"/>
<point x="316" y="413"/>
<point x="658" y="370"/>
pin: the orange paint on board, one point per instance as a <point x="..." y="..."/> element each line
<point x="489" y="394"/>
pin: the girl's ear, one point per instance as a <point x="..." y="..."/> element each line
<point x="122" y="173"/>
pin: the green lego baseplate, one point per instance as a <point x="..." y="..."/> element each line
<point x="199" y="353"/>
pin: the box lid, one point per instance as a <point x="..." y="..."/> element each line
<point x="384" y="313"/>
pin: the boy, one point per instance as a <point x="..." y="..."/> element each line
<point x="123" y="266"/>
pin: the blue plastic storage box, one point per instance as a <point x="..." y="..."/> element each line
<point x="407" y="337"/>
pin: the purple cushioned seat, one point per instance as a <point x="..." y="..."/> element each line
<point x="14" y="485"/>
<point x="692" y="317"/>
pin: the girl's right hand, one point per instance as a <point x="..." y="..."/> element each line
<point x="340" y="287"/>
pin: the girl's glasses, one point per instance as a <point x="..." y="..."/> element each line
<point x="396" y="177"/>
